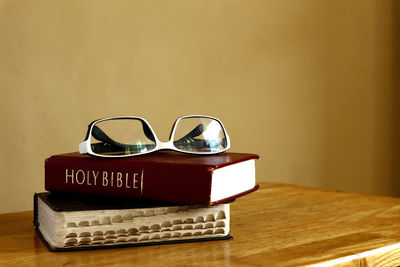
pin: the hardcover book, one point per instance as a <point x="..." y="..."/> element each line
<point x="74" y="222"/>
<point x="165" y="176"/>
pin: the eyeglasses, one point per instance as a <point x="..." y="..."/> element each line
<point x="118" y="137"/>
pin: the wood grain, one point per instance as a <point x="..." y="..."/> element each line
<point x="279" y="225"/>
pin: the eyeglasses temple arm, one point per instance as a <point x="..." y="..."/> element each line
<point x="102" y="136"/>
<point x="198" y="130"/>
<point x="113" y="146"/>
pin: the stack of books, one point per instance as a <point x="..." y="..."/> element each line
<point x="158" y="198"/>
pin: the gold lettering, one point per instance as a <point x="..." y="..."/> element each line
<point x="126" y="180"/>
<point x="95" y="174"/>
<point x="105" y="180"/>
<point x="77" y="176"/>
<point x="141" y="182"/>
<point x="135" y="180"/>
<point x="119" y="179"/>
<point x="70" y="176"/>
<point x="88" y="178"/>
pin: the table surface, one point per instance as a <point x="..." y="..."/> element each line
<point x="279" y="225"/>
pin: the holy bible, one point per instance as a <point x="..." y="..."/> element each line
<point x="75" y="222"/>
<point x="165" y="176"/>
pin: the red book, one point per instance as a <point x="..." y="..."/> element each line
<point x="166" y="176"/>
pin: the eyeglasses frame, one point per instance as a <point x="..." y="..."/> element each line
<point x="85" y="146"/>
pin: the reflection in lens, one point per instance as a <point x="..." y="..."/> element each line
<point x="199" y="134"/>
<point x="122" y="137"/>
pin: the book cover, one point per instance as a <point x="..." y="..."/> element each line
<point x="165" y="176"/>
<point x="68" y="222"/>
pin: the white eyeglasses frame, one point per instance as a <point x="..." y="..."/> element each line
<point x="85" y="146"/>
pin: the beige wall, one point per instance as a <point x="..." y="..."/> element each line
<point x="309" y="85"/>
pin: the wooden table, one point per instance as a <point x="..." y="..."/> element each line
<point x="279" y="225"/>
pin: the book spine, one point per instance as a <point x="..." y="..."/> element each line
<point x="165" y="182"/>
<point x="35" y="210"/>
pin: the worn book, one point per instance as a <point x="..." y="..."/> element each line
<point x="74" y="222"/>
<point x="165" y="176"/>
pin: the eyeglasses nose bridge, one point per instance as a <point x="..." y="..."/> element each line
<point x="166" y="145"/>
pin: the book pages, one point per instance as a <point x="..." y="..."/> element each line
<point x="69" y="229"/>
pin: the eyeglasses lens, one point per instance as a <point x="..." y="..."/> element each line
<point x="199" y="134"/>
<point x="121" y="137"/>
